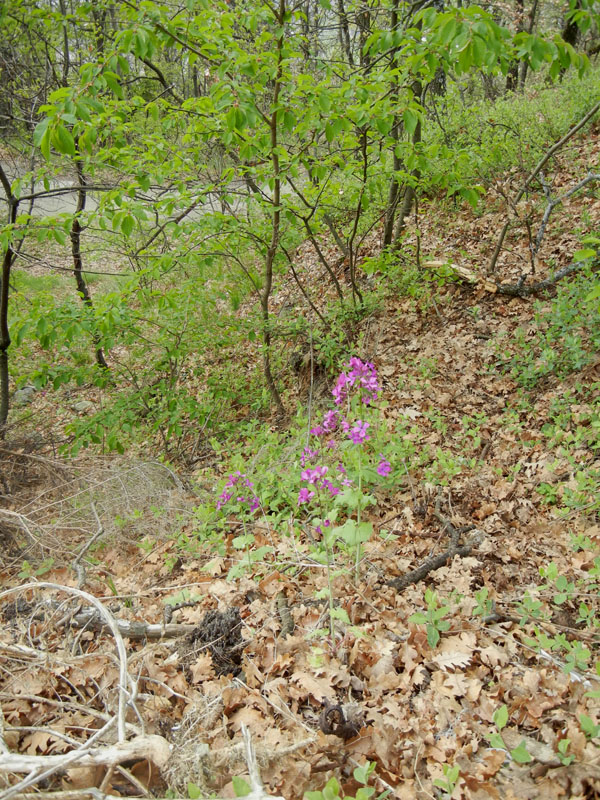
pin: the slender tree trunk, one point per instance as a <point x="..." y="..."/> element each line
<point x="512" y="77"/>
<point x="570" y="31"/>
<point x="394" y="190"/>
<point x="82" y="286"/>
<point x="356" y="293"/>
<point x="364" y="29"/>
<point x="344" y="33"/>
<point x="305" y="26"/>
<point x="276" y="222"/>
<point x="66" y="54"/>
<point x="7" y="261"/>
<point x="409" y="192"/>
<point x="530" y="25"/>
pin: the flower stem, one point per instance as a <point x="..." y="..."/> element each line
<point x="358" y="510"/>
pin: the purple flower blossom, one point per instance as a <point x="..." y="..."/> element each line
<point x="226" y="495"/>
<point x="304" y="496"/>
<point x="333" y="490"/>
<point x="224" y="498"/>
<point x="307" y="455"/>
<point x="358" y="434"/>
<point x="340" y="393"/>
<point x="330" y="420"/>
<point x="318" y="430"/>
<point x="361" y="373"/>
<point x="313" y="475"/>
<point x="384" y="467"/>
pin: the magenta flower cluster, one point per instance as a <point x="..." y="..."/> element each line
<point x="384" y="468"/>
<point x="359" y="373"/>
<point x="358" y="376"/>
<point x="239" y="482"/>
<point x="316" y="477"/>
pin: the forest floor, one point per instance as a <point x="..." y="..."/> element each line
<point x="512" y="471"/>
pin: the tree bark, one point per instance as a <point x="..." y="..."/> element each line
<point x="7" y="261"/>
<point x="512" y="77"/>
<point x="82" y="286"/>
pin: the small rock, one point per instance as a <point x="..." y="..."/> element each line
<point x="23" y="396"/>
<point x="82" y="406"/>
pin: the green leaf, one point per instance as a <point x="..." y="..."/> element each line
<point x="419" y="618"/>
<point x="127" y="224"/>
<point x="341" y="614"/>
<point x="410" y="121"/>
<point x="362" y="774"/>
<point x="194" y="791"/>
<point x="500" y="717"/>
<point x="113" y="84"/>
<point x="496" y="741"/>
<point x="40" y="131"/>
<point x="63" y="141"/>
<point x="364" y="793"/>
<point x="331" y="790"/>
<point x="353" y="533"/>
<point x="433" y="636"/>
<point x="324" y="102"/>
<point x="588" y="726"/>
<point x="241" y="787"/>
<point x="520" y="754"/>
<point x="349" y="498"/>
<point x="594" y="294"/>
<point x="45" y="145"/>
<point x="82" y="112"/>
<point x="448" y="31"/>
<point x="583" y="255"/>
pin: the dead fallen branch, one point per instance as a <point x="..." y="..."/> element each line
<point x="152" y="747"/>
<point x="127" y="685"/>
<point x="90" y="619"/>
<point x="441" y="559"/>
<point x="521" y="289"/>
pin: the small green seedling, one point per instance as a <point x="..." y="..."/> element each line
<point x="433" y="618"/>
<point x="589" y="727"/>
<point x="563" y="747"/>
<point x="518" y="754"/>
<point x="331" y="790"/>
<point x="448" y="782"/>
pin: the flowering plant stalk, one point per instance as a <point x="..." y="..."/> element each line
<point x="341" y="439"/>
<point x="239" y="494"/>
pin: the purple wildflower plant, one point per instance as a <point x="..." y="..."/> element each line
<point x="304" y="496"/>
<point x="238" y="480"/>
<point x="359" y="373"/>
<point x="384" y="468"/>
<point x="313" y="475"/>
<point x="307" y="455"/>
<point x="358" y="433"/>
<point x="330" y="420"/>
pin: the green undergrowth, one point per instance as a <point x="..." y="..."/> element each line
<point x="564" y="337"/>
<point x="483" y="140"/>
